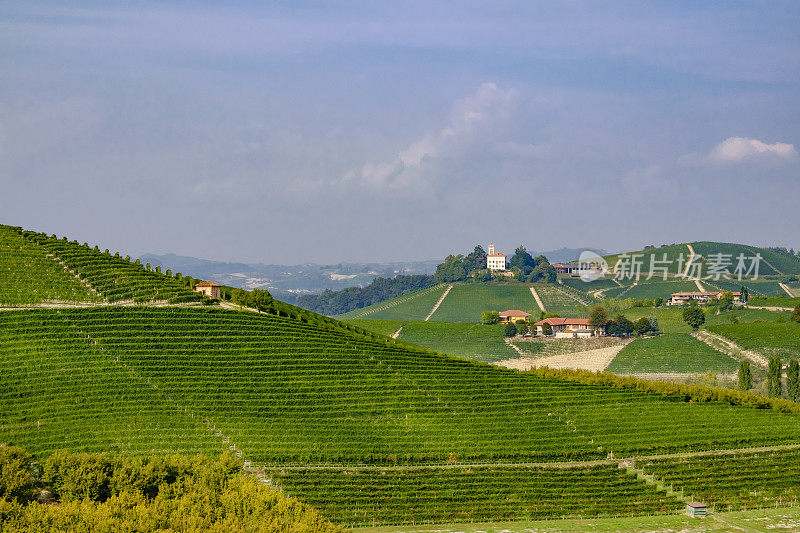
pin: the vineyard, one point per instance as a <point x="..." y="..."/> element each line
<point x="651" y="289"/>
<point x="466" y="302"/>
<point x="564" y="301"/>
<point x="469" y="341"/>
<point x="767" y="338"/>
<point x="28" y="276"/>
<point x="477" y="493"/>
<point x="412" y="306"/>
<point x="671" y="353"/>
<point x="115" y="278"/>
<point x="733" y="481"/>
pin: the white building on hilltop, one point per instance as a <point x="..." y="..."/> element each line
<point x="495" y="261"/>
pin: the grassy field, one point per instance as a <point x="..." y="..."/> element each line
<point x="671" y="321"/>
<point x="671" y="353"/>
<point x="774" y="302"/>
<point x="412" y="306"/>
<point x="772" y="263"/>
<point x="466" y="302"/>
<point x="767" y="338"/>
<point x="782" y="519"/>
<point x="470" y="341"/>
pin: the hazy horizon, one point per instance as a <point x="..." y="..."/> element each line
<point x="377" y="132"/>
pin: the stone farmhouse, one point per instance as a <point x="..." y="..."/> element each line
<point x="209" y="288"/>
<point x="570" y="327"/>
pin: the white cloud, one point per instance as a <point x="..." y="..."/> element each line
<point x="521" y="150"/>
<point x="741" y="149"/>
<point x="407" y="170"/>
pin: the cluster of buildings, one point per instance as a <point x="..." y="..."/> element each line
<point x="561" y="327"/>
<point x="682" y="298"/>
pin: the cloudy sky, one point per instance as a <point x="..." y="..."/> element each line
<point x="287" y="132"/>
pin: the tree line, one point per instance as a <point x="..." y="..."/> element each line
<point x="332" y="303"/>
<point x="522" y="264"/>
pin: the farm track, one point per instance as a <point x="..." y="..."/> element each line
<point x="787" y="290"/>
<point x="699" y="286"/>
<point x="622" y="462"/>
<point x="774" y="309"/>
<point x="593" y="360"/>
<point x="720" y="343"/>
<point x="538" y="300"/>
<point x="397" y="332"/>
<point x="438" y="303"/>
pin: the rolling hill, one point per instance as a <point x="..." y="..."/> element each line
<point x="368" y="429"/>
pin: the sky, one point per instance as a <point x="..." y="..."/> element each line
<point x="289" y="132"/>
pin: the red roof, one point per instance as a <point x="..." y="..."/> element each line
<point x="497" y="255"/>
<point x="515" y="312"/>
<point x="564" y="322"/>
<point x="696" y="505"/>
<point x="208" y="284"/>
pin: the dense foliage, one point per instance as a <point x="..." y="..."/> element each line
<point x="101" y="492"/>
<point x="352" y="298"/>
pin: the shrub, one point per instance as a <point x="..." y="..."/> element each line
<point x="490" y="317"/>
<point x="511" y="330"/>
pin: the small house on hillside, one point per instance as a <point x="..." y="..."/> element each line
<point x="570" y="327"/>
<point x="696" y="509"/>
<point x="513" y="315"/>
<point x="495" y="261"/>
<point x="680" y="298"/>
<point x="209" y="288"/>
<point x="578" y="269"/>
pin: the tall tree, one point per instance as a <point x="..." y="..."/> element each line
<point x="793" y="380"/>
<point x="796" y="314"/>
<point x="774" y="374"/>
<point x="522" y="259"/>
<point x="598" y="316"/>
<point x="745" y="376"/>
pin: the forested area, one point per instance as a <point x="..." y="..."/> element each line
<point x="352" y="298"/>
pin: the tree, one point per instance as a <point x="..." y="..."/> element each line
<point x="261" y="299"/>
<point x="745" y="376"/>
<point x="547" y="329"/>
<point x="522" y="259"/>
<point x="796" y="314"/>
<point x="726" y="301"/>
<point x="745" y="294"/>
<point x="658" y="302"/>
<point x="654" y="327"/>
<point x="522" y="327"/>
<point x="490" y="317"/>
<point x="774" y="374"/>
<point x="624" y="326"/>
<point x="511" y="330"/>
<point x="451" y="270"/>
<point x="694" y="316"/>
<point x="476" y="260"/>
<point x="598" y="316"/>
<point x="642" y="326"/>
<point x="793" y="380"/>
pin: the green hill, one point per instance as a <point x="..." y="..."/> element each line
<point x="366" y="428"/>
<point x="29" y="276"/>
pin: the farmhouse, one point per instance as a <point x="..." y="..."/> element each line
<point x="577" y="269"/>
<point x="513" y="315"/>
<point x="680" y="298"/>
<point x="495" y="261"/>
<point x="696" y="509"/>
<point x="209" y="288"/>
<point x="570" y="327"/>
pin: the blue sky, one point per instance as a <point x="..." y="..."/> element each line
<point x="287" y="132"/>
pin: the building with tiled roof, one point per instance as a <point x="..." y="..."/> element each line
<point x="495" y="261"/>
<point x="209" y="288"/>
<point x="570" y="327"/>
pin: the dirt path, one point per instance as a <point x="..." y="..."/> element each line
<point x="397" y="333"/>
<point x="787" y="289"/>
<point x="594" y="360"/>
<point x="720" y="343"/>
<point x="689" y="261"/>
<point x="699" y="286"/>
<point x="538" y="300"/>
<point x="776" y="309"/>
<point x="517" y="348"/>
<point x="675" y="376"/>
<point x="435" y="307"/>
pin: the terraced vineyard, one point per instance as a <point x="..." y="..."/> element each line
<point x="412" y="306"/>
<point x="115" y="278"/>
<point x="485" y="493"/>
<point x="771" y="263"/>
<point x="651" y="289"/>
<point x="466" y="302"/>
<point x="563" y="300"/>
<point x="28" y="276"/>
<point x="469" y="341"/>
<point x="671" y="353"/>
<point x="766" y="338"/>
<point x="734" y="481"/>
